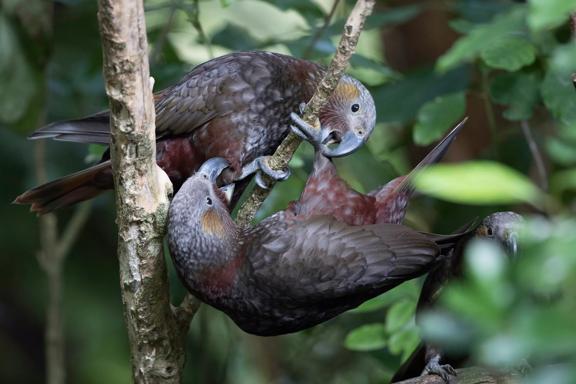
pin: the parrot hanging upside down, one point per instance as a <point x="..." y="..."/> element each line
<point x="325" y="193"/>
<point x="236" y="106"/>
<point x="287" y="273"/>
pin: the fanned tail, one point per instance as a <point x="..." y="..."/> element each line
<point x="68" y="190"/>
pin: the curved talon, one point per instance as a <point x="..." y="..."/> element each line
<point x="260" y="181"/>
<point x="278" y="175"/>
<point x="298" y="132"/>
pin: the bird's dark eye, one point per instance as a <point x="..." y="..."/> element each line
<point x="489" y="232"/>
<point x="355" y="107"/>
<point x="208" y="201"/>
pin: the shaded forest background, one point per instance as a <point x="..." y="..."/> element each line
<point x="505" y="64"/>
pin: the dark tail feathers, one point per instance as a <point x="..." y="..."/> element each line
<point x="68" y="190"/>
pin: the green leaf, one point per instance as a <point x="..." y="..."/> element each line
<point x="467" y="48"/>
<point x="368" y="337"/>
<point x="399" y="314"/>
<point x="415" y="90"/>
<point x="557" y="89"/>
<point x="509" y="54"/>
<point x="437" y="116"/>
<point x="548" y="14"/>
<point x="477" y="182"/>
<point x="404" y="341"/>
<point x="518" y="91"/>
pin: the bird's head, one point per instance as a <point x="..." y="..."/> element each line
<point x="200" y="203"/>
<point x="348" y="118"/>
<point x="502" y="227"/>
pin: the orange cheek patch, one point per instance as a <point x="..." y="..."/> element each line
<point x="212" y="223"/>
<point x="347" y="91"/>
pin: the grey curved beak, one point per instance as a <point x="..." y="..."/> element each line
<point x="512" y="244"/>
<point x="212" y="168"/>
<point x="348" y="144"/>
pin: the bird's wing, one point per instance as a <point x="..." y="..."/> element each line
<point x="212" y="89"/>
<point x="321" y="258"/>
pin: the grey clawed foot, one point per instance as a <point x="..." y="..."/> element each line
<point x="305" y="131"/>
<point x="260" y="167"/>
<point x="445" y="371"/>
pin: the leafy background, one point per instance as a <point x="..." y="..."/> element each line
<point x="505" y="64"/>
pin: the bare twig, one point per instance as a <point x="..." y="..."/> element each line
<point x="320" y="31"/>
<point x="166" y="28"/>
<point x="284" y="152"/>
<point x="536" y="154"/>
<point x="472" y="375"/>
<point x="142" y="189"/>
<point x="194" y="17"/>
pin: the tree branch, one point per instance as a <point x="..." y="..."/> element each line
<point x="284" y="152"/>
<point x="473" y="375"/>
<point x="142" y="189"/>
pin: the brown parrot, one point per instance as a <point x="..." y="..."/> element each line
<point x="502" y="227"/>
<point x="237" y="107"/>
<point x="288" y="272"/>
<point x="325" y="193"/>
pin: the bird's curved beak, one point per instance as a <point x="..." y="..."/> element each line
<point x="212" y="168"/>
<point x="348" y="143"/>
<point x="512" y="243"/>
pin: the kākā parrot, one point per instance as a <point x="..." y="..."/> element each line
<point x="325" y="193"/>
<point x="501" y="227"/>
<point x="288" y="272"/>
<point x="236" y="106"/>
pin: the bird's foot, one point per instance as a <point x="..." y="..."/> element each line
<point x="305" y="131"/>
<point x="445" y="371"/>
<point x="260" y="166"/>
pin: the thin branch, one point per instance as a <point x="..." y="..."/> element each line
<point x="472" y="375"/>
<point x="536" y="154"/>
<point x="194" y="17"/>
<point x="142" y="189"/>
<point x="166" y="28"/>
<point x="284" y="152"/>
<point x="320" y="31"/>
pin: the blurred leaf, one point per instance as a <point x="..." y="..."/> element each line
<point x="502" y="27"/>
<point x="404" y="342"/>
<point x="399" y="314"/>
<point x="557" y="88"/>
<point x="368" y="337"/>
<point x="437" y="116"/>
<point x="547" y="14"/>
<point x="477" y="182"/>
<point x="561" y="150"/>
<point x="396" y="15"/>
<point x="400" y="101"/>
<point x="236" y="38"/>
<point x="16" y="76"/>
<point x="519" y="91"/>
<point x="509" y="54"/>
<point x="406" y="291"/>
<point x="485" y="260"/>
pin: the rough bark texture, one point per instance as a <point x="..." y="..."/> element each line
<point x="472" y="375"/>
<point x="142" y="189"/>
<point x="281" y="158"/>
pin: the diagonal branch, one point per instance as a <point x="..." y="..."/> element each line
<point x="473" y="375"/>
<point x="284" y="152"/>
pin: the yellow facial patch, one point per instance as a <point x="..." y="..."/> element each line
<point x="212" y="223"/>
<point x="347" y="91"/>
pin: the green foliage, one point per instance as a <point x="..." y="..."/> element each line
<point x="511" y="63"/>
<point x="477" y="182"/>
<point x="437" y="116"/>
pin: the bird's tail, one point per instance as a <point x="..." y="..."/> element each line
<point x="68" y="190"/>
